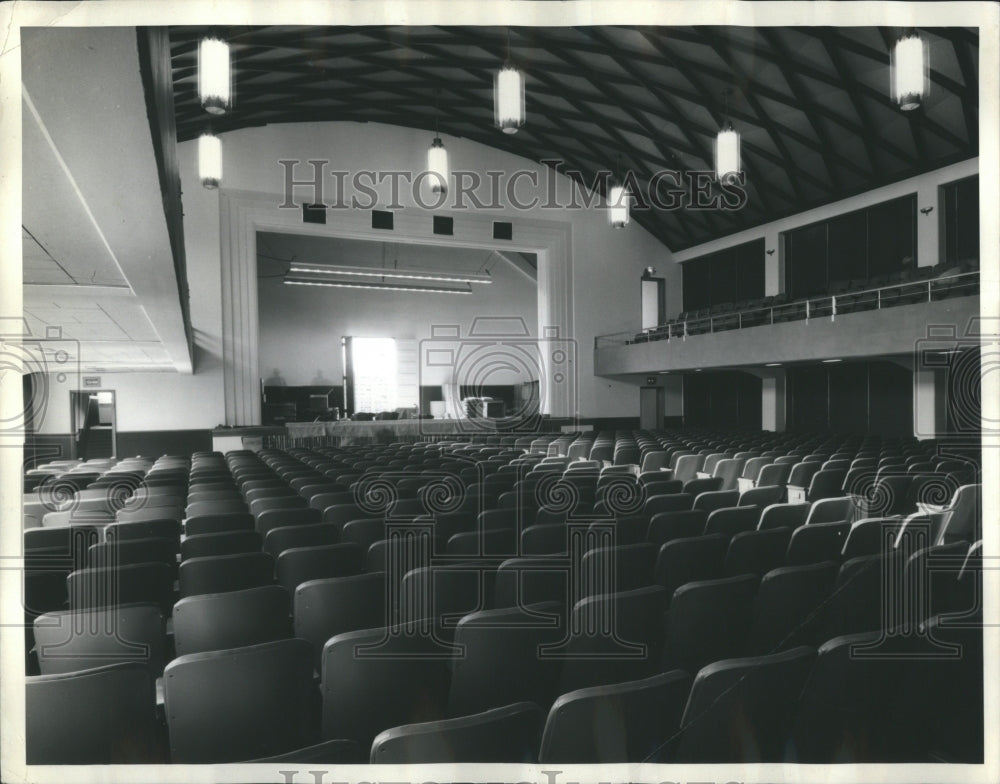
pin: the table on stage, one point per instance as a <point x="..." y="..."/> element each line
<point x="346" y="431"/>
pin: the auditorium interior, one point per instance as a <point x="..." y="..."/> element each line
<point x="505" y="393"/>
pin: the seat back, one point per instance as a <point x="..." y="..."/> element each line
<point x="506" y="734"/>
<point x="732" y="520"/>
<point x="817" y="542"/>
<point x="544" y="539"/>
<point x="667" y="526"/>
<point x="826" y="483"/>
<point x="297" y="565"/>
<point x="691" y="558"/>
<point x="783" y="516"/>
<point x="133" y="551"/>
<point x="621" y="568"/>
<point x="740" y="710"/>
<point x="762" y="496"/>
<point x="277" y="540"/>
<point x="709" y="620"/>
<point x="856" y="603"/>
<point x="270" y="518"/>
<point x="216" y="621"/>
<point x="161" y="528"/>
<point x="145" y="583"/>
<point x="503" y="658"/>
<point x="74" y="640"/>
<point x="716" y="499"/>
<point x="531" y="580"/>
<point x="757" y="552"/>
<point x="871" y="536"/>
<point x="786" y="607"/>
<point x="216" y="574"/>
<point x="687" y="466"/>
<point x="964" y="521"/>
<point x="241" y="703"/>
<point x="844" y="704"/>
<point x="702" y="485"/>
<point x="776" y="473"/>
<point x="328" y="607"/>
<point x="376" y="679"/>
<point x="752" y="467"/>
<point x="615" y="638"/>
<point x="96" y="716"/>
<point x="832" y="510"/>
<point x="624" y="722"/>
<point x="224" y="543"/>
<point x="217" y="523"/>
<point x="728" y="470"/>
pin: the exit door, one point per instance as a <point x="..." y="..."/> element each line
<point x="652" y="407"/>
<point x="94" y="424"/>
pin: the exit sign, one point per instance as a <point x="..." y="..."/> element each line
<point x="650" y="380"/>
<point x="92" y="381"/>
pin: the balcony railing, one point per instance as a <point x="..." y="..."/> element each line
<point x="828" y="306"/>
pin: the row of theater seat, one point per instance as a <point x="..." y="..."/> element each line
<point x="639" y="610"/>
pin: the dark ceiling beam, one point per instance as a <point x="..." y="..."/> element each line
<point x="696" y="145"/>
<point x="560" y="90"/>
<point x="746" y="147"/>
<point x="772" y="131"/>
<point x="649" y="131"/>
<point x="594" y="148"/>
<point x="870" y="132"/>
<point x="970" y="105"/>
<point x="805" y="69"/>
<point x="802" y="96"/>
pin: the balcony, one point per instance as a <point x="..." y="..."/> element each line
<point x="878" y="321"/>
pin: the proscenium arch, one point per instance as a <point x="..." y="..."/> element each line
<point x="244" y="213"/>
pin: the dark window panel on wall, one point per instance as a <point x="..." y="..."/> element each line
<point x="878" y="240"/>
<point x="697" y="400"/>
<point x="848" y="247"/>
<point x="848" y="396"/>
<point x="961" y="221"/>
<point x="806" y="261"/>
<point x="892" y="236"/>
<point x="890" y="400"/>
<point x="697" y="282"/>
<point x="750" y="270"/>
<point x="723" y="400"/>
<point x="731" y="275"/>
<point x="808" y="399"/>
<point x="724" y="283"/>
<point x="855" y="397"/>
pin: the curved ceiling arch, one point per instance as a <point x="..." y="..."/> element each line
<point x="811" y="104"/>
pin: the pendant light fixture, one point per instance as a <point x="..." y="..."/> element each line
<point x="214" y="75"/>
<point x="437" y="158"/>
<point x="727" y="146"/>
<point x="618" y="201"/>
<point x="210" y="160"/>
<point x="508" y="95"/>
<point x="908" y="71"/>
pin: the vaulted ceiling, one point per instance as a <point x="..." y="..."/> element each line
<point x="811" y="104"/>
